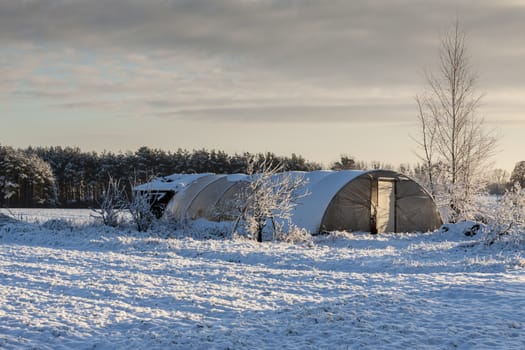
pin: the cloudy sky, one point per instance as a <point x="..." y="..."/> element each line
<point x="318" y="78"/>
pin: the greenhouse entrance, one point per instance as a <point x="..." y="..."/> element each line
<point x="384" y="204"/>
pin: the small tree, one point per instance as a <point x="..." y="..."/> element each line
<point x="112" y="202"/>
<point x="270" y="196"/>
<point x="451" y="132"/>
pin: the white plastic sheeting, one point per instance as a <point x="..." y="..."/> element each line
<point x="322" y="187"/>
<point x="374" y="201"/>
<point x="181" y="202"/>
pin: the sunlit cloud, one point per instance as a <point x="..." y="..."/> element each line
<point x="254" y="62"/>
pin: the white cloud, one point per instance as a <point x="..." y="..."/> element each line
<point x="235" y="61"/>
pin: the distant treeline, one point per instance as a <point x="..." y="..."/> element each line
<point x="69" y="177"/>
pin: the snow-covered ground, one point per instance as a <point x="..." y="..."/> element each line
<point x="66" y="286"/>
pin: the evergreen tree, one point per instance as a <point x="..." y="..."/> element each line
<point x="518" y="174"/>
<point x="25" y="180"/>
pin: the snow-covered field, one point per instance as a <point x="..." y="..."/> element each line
<point x="66" y="286"/>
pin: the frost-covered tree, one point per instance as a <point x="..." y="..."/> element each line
<point x="375" y="164"/>
<point x="42" y="182"/>
<point x="518" y="174"/>
<point x="298" y="163"/>
<point x="77" y="174"/>
<point x="345" y="162"/>
<point x="452" y="134"/>
<point x="269" y="197"/>
<point x="112" y="202"/>
<point x="508" y="217"/>
<point x="146" y="163"/>
<point x="81" y="177"/>
<point x="25" y="179"/>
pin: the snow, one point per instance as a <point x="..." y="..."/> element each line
<point x="174" y="182"/>
<point x="237" y="177"/>
<point x="82" y="285"/>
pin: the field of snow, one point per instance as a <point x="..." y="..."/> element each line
<point x="70" y="284"/>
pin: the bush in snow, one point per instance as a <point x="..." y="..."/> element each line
<point x="456" y="207"/>
<point x="112" y="202"/>
<point x="141" y="212"/>
<point x="507" y="219"/>
<point x="205" y="229"/>
<point x="57" y="225"/>
<point x="294" y="234"/>
<point x="115" y="201"/>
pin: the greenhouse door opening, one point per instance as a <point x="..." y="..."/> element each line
<point x="386" y="205"/>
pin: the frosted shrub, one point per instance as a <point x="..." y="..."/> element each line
<point x="455" y="206"/>
<point x="205" y="229"/>
<point x="269" y="197"/>
<point x="507" y="220"/>
<point x="294" y="234"/>
<point x="57" y="225"/>
<point x="111" y="204"/>
<point x="140" y="209"/>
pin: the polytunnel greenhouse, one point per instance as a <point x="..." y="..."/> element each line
<point x="350" y="200"/>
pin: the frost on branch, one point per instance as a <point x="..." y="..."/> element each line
<point x="268" y="198"/>
<point x="114" y="201"/>
<point x="453" y="142"/>
<point x="140" y="208"/>
<point x="111" y="203"/>
<point x="508" y="217"/>
<point x="26" y="180"/>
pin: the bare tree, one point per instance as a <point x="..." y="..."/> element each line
<point x="426" y="143"/>
<point x="452" y="134"/>
<point x="269" y="197"/>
